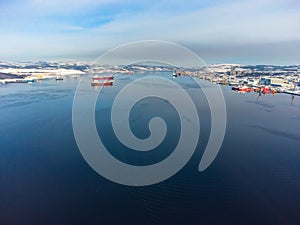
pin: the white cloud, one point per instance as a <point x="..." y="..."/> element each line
<point x="239" y="23"/>
<point x="227" y="23"/>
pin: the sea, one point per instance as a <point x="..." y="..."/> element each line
<point x="44" y="178"/>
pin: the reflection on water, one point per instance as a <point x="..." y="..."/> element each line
<point x="255" y="179"/>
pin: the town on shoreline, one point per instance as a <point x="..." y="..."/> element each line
<point x="242" y="78"/>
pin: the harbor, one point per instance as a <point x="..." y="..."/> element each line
<point x="263" y="79"/>
<point x="262" y="85"/>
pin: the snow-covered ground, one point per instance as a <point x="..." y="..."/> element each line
<point x="21" y="71"/>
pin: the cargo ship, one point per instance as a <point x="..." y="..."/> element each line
<point x="102" y="81"/>
<point x="103" y="78"/>
<point x="242" y="89"/>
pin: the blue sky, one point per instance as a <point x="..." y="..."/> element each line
<point x="219" y="31"/>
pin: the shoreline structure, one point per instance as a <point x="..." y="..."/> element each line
<point x="277" y="79"/>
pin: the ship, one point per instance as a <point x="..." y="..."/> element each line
<point x="103" y="78"/>
<point x="268" y="90"/>
<point x="102" y="81"/>
<point x="245" y="89"/>
<point x="59" y="78"/>
<point x="235" y="88"/>
<point x="242" y="88"/>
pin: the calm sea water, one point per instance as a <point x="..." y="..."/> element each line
<point x="255" y="178"/>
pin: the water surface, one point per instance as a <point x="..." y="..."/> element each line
<point x="255" y="178"/>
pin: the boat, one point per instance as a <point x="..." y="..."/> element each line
<point x="102" y="82"/>
<point x="268" y="90"/>
<point x="103" y="77"/>
<point x="59" y="78"/>
<point x="174" y="75"/>
<point x="235" y="88"/>
<point x="245" y="89"/>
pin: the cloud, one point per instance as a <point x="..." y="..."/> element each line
<point x="239" y="23"/>
<point x="78" y="26"/>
